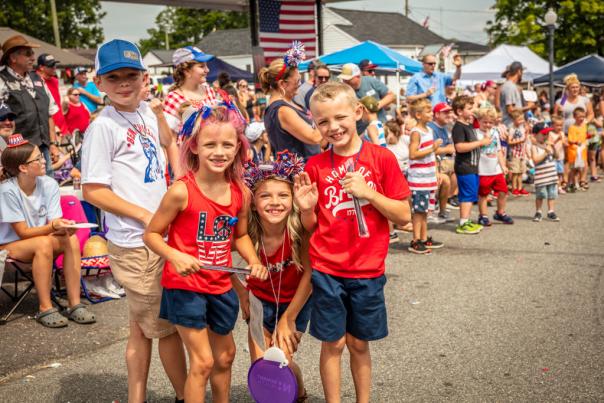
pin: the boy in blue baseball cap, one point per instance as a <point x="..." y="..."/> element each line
<point x="123" y="173"/>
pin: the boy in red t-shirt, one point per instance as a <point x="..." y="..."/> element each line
<point x="348" y="270"/>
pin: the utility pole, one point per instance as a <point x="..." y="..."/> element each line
<point x="406" y="8"/>
<point x="167" y="38"/>
<point x="55" y="23"/>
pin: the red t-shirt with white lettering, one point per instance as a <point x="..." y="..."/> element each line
<point x="335" y="246"/>
<point x="202" y="230"/>
<point x="280" y="265"/>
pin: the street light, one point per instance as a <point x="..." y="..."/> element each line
<point x="550" y="22"/>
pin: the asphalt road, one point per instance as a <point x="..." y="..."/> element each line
<point x="513" y="314"/>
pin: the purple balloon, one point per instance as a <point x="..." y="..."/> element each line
<point x="268" y="383"/>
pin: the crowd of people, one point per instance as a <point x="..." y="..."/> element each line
<point x="309" y="182"/>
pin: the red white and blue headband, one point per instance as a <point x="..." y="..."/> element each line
<point x="293" y="57"/>
<point x="285" y="168"/>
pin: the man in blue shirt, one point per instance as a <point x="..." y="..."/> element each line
<point x="89" y="93"/>
<point x="432" y="84"/>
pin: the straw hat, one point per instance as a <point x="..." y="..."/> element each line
<point x="95" y="246"/>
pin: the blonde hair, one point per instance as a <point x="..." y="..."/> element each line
<point x="331" y="90"/>
<point x="293" y="226"/>
<point x="179" y="74"/>
<point x="571" y="79"/>
<point x="557" y="119"/>
<point x="486" y="112"/>
<point x="516" y="113"/>
<point x="418" y="106"/>
<point x="268" y="75"/>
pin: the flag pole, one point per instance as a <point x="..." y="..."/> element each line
<point x="319" y="28"/>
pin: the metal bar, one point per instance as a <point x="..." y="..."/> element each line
<point x="551" y="67"/>
<point x="319" y="27"/>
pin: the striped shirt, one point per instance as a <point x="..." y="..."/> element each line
<point x="381" y="133"/>
<point x="516" y="133"/>
<point x="175" y="99"/>
<point x="545" y="171"/>
<point x="421" y="174"/>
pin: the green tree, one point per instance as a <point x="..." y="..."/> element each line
<point x="579" y="31"/>
<point x="186" y="26"/>
<point x="79" y="20"/>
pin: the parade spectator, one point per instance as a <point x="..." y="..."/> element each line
<point x="89" y="93"/>
<point x="7" y="124"/>
<point x="486" y="95"/>
<point x="47" y="69"/>
<point x="510" y="97"/>
<point x="543" y="154"/>
<point x="571" y="100"/>
<point x="123" y="174"/>
<point x="288" y="126"/>
<point x="367" y="68"/>
<point x="577" y="151"/>
<point x="375" y="128"/>
<point x="432" y="84"/>
<point x="24" y="91"/>
<point x="246" y="99"/>
<point x="517" y="138"/>
<point x="77" y="116"/>
<point x="560" y="142"/>
<point x="322" y="75"/>
<point x="307" y="86"/>
<point x="364" y="86"/>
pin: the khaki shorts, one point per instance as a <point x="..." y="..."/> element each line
<point x="446" y="166"/>
<point x="517" y="165"/>
<point x="139" y="270"/>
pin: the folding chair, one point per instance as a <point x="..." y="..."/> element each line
<point x="22" y="274"/>
<point x="93" y="266"/>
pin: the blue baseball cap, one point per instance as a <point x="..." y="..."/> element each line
<point x="190" y="53"/>
<point x="6" y="112"/>
<point x="118" y="54"/>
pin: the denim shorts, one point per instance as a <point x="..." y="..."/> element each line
<point x="197" y="310"/>
<point x="348" y="305"/>
<point x="559" y="167"/>
<point x="547" y="192"/>
<point x="269" y="309"/>
<point x="468" y="188"/>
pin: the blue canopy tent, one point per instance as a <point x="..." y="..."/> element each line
<point x="217" y="66"/>
<point x="384" y="57"/>
<point x="589" y="69"/>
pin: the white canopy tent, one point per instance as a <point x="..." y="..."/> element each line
<point x="491" y="65"/>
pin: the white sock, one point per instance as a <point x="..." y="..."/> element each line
<point x="462" y="221"/>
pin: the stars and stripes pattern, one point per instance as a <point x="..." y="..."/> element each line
<point x="282" y="22"/>
<point x="421" y="174"/>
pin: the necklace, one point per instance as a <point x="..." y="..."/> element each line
<point x="277" y="294"/>
<point x="132" y="124"/>
<point x="356" y="160"/>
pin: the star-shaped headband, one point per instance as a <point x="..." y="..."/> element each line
<point x="293" y="57"/>
<point x="286" y="167"/>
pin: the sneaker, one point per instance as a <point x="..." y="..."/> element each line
<point x="503" y="217"/>
<point x="432" y="244"/>
<point x="393" y="237"/>
<point x="446" y="216"/>
<point x="515" y="192"/>
<point x="552" y="216"/>
<point x="523" y="192"/>
<point x="418" y="247"/>
<point x="571" y="188"/>
<point x="479" y="227"/>
<point x="484" y="221"/>
<point x="467" y="228"/>
<point x="595" y="179"/>
<point x="453" y="203"/>
<point x="538" y="216"/>
<point x="561" y="190"/>
<point x="434" y="219"/>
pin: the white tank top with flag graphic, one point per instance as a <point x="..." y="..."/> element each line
<point x="422" y="172"/>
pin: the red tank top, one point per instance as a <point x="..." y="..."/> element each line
<point x="289" y="279"/>
<point x="202" y="230"/>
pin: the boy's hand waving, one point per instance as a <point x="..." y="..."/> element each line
<point x="306" y="194"/>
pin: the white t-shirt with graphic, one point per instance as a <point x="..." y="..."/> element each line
<point x="488" y="164"/>
<point x="36" y="210"/>
<point x="130" y="161"/>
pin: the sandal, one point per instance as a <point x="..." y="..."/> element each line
<point x="79" y="314"/>
<point x="51" y="318"/>
<point x="583" y="185"/>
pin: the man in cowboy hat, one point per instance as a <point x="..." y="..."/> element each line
<point x="24" y="91"/>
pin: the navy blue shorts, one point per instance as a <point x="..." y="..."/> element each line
<point x="269" y="315"/>
<point x="348" y="305"/>
<point x="197" y="310"/>
<point x="468" y="188"/>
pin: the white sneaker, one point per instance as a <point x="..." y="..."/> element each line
<point x="432" y="219"/>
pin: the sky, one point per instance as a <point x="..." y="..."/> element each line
<point x="462" y="19"/>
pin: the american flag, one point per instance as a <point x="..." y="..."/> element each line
<point x="282" y="22"/>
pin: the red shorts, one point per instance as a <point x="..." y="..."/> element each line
<point x="496" y="183"/>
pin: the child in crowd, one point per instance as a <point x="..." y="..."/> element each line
<point x="375" y="129"/>
<point x="543" y="154"/>
<point x="259" y="151"/>
<point x="491" y="169"/>
<point x="593" y="144"/>
<point x="282" y="245"/>
<point x="517" y="137"/>
<point x="422" y="176"/>
<point x="348" y="308"/>
<point x="32" y="230"/>
<point x="203" y="212"/>
<point x="577" y="151"/>
<point x="467" y="154"/>
<point x="77" y="116"/>
<point x="558" y="139"/>
<point x="398" y="143"/>
<point x="123" y="175"/>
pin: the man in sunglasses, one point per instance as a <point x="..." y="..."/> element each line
<point x="7" y="124"/>
<point x="367" y="68"/>
<point x="432" y="84"/>
<point x="47" y="70"/>
<point x="322" y="75"/>
<point x="28" y="97"/>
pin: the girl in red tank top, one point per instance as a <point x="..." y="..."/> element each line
<point x="204" y="213"/>
<point x="282" y="245"/>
